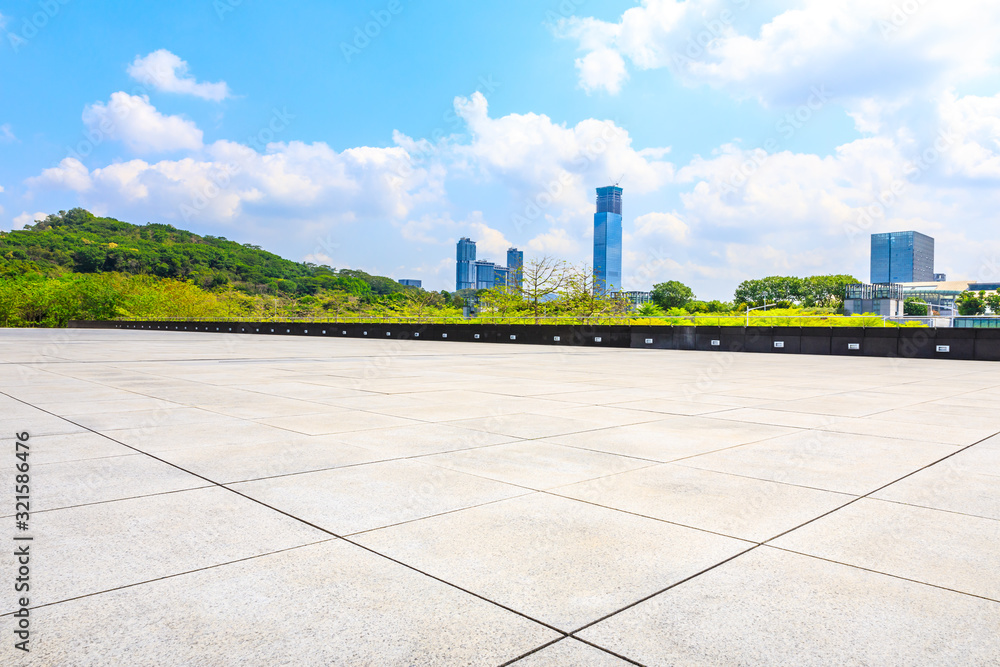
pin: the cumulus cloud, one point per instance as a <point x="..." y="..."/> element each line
<point x="166" y="72"/>
<point x="857" y="48"/>
<point x="134" y="121"/>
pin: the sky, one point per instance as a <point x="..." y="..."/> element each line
<point x="751" y="137"/>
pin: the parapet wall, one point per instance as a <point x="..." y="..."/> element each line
<point x="941" y="343"/>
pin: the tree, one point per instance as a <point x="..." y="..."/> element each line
<point x="969" y="303"/>
<point x="993" y="302"/>
<point x="913" y="307"/>
<point x="672" y="294"/>
<point x="541" y="279"/>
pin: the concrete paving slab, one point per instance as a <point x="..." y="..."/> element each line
<point x="671" y="438"/>
<point x="770" y="607"/>
<point x="359" y="498"/>
<point x="93" y="548"/>
<point x="334" y="420"/>
<point x="931" y="546"/>
<point x="741" y="507"/>
<point x="535" y="464"/>
<point x="326" y="604"/>
<point x="421" y="439"/>
<point x="844" y="463"/>
<point x="562" y="562"/>
<point x="571" y="653"/>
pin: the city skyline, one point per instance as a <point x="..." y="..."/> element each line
<point x="879" y="121"/>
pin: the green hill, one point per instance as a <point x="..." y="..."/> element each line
<point x="77" y="241"/>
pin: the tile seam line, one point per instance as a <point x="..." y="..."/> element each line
<point x="312" y="525"/>
<point x="569" y="638"/>
<point x="887" y="574"/>
<point x="116" y="500"/>
<point x="765" y="543"/>
<point x="178" y="574"/>
<point x="937" y="509"/>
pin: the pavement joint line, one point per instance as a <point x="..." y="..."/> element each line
<point x="177" y="574"/>
<point x="570" y="639"/>
<point x="939" y="509"/>
<point x="312" y="525"/>
<point x="115" y="500"/>
<point x="765" y="543"/>
<point x="887" y="574"/>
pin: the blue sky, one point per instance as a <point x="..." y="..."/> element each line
<point x="755" y="138"/>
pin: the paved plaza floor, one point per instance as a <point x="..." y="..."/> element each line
<point x="204" y="499"/>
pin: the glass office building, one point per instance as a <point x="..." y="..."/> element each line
<point x="902" y="257"/>
<point x="465" y="256"/>
<point x="515" y="268"/>
<point x="608" y="240"/>
<point x="485" y="274"/>
<point x="410" y="283"/>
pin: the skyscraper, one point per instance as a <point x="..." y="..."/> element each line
<point x="608" y="240"/>
<point x="902" y="257"/>
<point x="515" y="268"/>
<point x="465" y="256"/>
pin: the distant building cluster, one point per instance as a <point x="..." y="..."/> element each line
<point x="477" y="274"/>
<point x="902" y="267"/>
<point x="471" y="273"/>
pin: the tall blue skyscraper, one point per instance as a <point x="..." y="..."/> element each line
<point x="465" y="277"/>
<point x="902" y="257"/>
<point x="515" y="268"/>
<point x="608" y="240"/>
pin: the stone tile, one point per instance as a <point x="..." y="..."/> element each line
<point x="73" y="447"/>
<point x="968" y="485"/>
<point x="562" y="562"/>
<point x="934" y="547"/>
<point x="770" y="607"/>
<point x="777" y="418"/>
<point x="250" y="461"/>
<point x="58" y="485"/>
<point x="528" y="425"/>
<point x="334" y="421"/>
<point x="749" y="509"/>
<point x="173" y="416"/>
<point x="672" y="438"/>
<point x="536" y="464"/>
<point x="420" y="439"/>
<point x="166" y="438"/>
<point x="849" y="404"/>
<point x="99" y="547"/>
<point x="855" y="464"/>
<point x="325" y="604"/>
<point x="944" y="432"/>
<point x="359" y="498"/>
<point x="570" y="653"/>
<point x="671" y="406"/>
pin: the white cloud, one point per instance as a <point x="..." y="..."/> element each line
<point x="7" y="134"/>
<point x="857" y="48"/>
<point x="665" y="225"/>
<point x="134" y="121"/>
<point x="28" y="219"/>
<point x="602" y="69"/>
<point x="166" y="72"/>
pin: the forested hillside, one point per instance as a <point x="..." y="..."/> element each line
<point x="79" y="242"/>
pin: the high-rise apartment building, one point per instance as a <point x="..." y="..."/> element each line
<point x="465" y="256"/>
<point x="485" y="274"/>
<point x="608" y="240"/>
<point x="515" y="268"/>
<point x="902" y="257"/>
